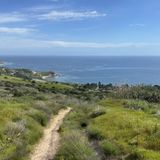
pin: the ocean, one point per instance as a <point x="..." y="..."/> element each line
<point x="92" y="69"/>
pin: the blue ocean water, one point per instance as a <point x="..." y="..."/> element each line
<point x="116" y="70"/>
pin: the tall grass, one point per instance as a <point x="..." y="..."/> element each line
<point x="21" y="124"/>
<point x="131" y="133"/>
<point x="75" y="146"/>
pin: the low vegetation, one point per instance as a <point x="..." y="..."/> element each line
<point x="106" y="121"/>
<point x="25" y="73"/>
<point x="127" y="133"/>
<point x="75" y="146"/>
<point x="24" y="110"/>
<point x="75" y="143"/>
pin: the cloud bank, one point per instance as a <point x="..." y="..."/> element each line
<point x="33" y="43"/>
<point x="11" y="17"/>
<point x="16" y="30"/>
<point x="70" y="15"/>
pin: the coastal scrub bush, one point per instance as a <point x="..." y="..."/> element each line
<point x="42" y="106"/>
<point x="128" y="129"/>
<point x="39" y="116"/>
<point x="15" y="129"/>
<point x="137" y="105"/>
<point x="154" y="141"/>
<point x="13" y="145"/>
<point x="135" y="155"/>
<point x="34" y="131"/>
<point x="109" y="149"/>
<point x="75" y="146"/>
<point x="98" y="112"/>
<point x="142" y="106"/>
<point x="94" y="133"/>
<point x="142" y="92"/>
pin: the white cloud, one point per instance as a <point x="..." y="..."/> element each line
<point x="70" y="15"/>
<point x="97" y="45"/>
<point x="47" y="13"/>
<point x="15" y="30"/>
<point x="11" y="17"/>
<point x="20" y="43"/>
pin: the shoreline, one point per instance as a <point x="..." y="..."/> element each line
<point x="50" y="76"/>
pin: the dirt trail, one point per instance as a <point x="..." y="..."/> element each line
<point x="48" y="145"/>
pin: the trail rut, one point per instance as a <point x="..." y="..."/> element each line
<point x="48" y="145"/>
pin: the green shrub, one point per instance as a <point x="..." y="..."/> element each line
<point x="34" y="131"/>
<point x="15" y="129"/>
<point x="154" y="142"/>
<point x="94" y="133"/>
<point x="42" y="106"/>
<point x="14" y="144"/>
<point x="109" y="148"/>
<point x="135" y="155"/>
<point x="75" y="146"/>
<point x="39" y="116"/>
<point x="97" y="113"/>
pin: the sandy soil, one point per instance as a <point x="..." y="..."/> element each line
<point x="48" y="145"/>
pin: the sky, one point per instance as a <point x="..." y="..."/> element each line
<point x="80" y="27"/>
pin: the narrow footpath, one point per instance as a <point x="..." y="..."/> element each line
<point x="48" y="145"/>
